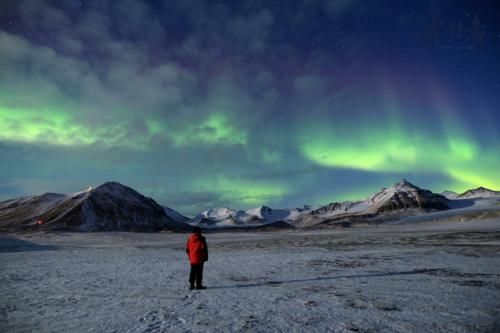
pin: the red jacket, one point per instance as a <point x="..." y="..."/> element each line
<point x="197" y="249"/>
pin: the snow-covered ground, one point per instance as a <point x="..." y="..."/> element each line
<point x="400" y="278"/>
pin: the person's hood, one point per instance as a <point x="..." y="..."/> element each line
<point x="196" y="236"/>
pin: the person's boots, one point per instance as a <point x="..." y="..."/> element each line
<point x="191" y="286"/>
<point x="200" y="287"/>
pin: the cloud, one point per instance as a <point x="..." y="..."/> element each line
<point x="204" y="103"/>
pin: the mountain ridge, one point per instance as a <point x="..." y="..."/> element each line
<point x="108" y="207"/>
<point x="479" y="192"/>
<point x="388" y="203"/>
<point x="114" y="206"/>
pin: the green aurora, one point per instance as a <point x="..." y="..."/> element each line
<point x="370" y="150"/>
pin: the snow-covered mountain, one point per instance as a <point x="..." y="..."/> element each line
<point x="254" y="217"/>
<point x="450" y="194"/>
<point x="111" y="206"/>
<point x="400" y="198"/>
<point x="336" y="208"/>
<point x="480" y="192"/>
<point x="404" y="195"/>
<point x="272" y="215"/>
<point x="215" y="217"/>
<point x="26" y="210"/>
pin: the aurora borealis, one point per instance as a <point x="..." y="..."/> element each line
<point x="202" y="104"/>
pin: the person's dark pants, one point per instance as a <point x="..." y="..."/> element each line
<point x="196" y="275"/>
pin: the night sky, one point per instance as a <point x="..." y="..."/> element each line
<point x="202" y="104"/>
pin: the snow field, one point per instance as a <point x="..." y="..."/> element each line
<point x="333" y="282"/>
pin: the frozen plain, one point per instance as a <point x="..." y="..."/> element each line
<point x="425" y="277"/>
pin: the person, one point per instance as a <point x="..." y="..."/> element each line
<point x="197" y="251"/>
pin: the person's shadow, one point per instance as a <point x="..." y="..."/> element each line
<point x="324" y="278"/>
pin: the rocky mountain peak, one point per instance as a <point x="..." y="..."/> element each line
<point x="479" y="192"/>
